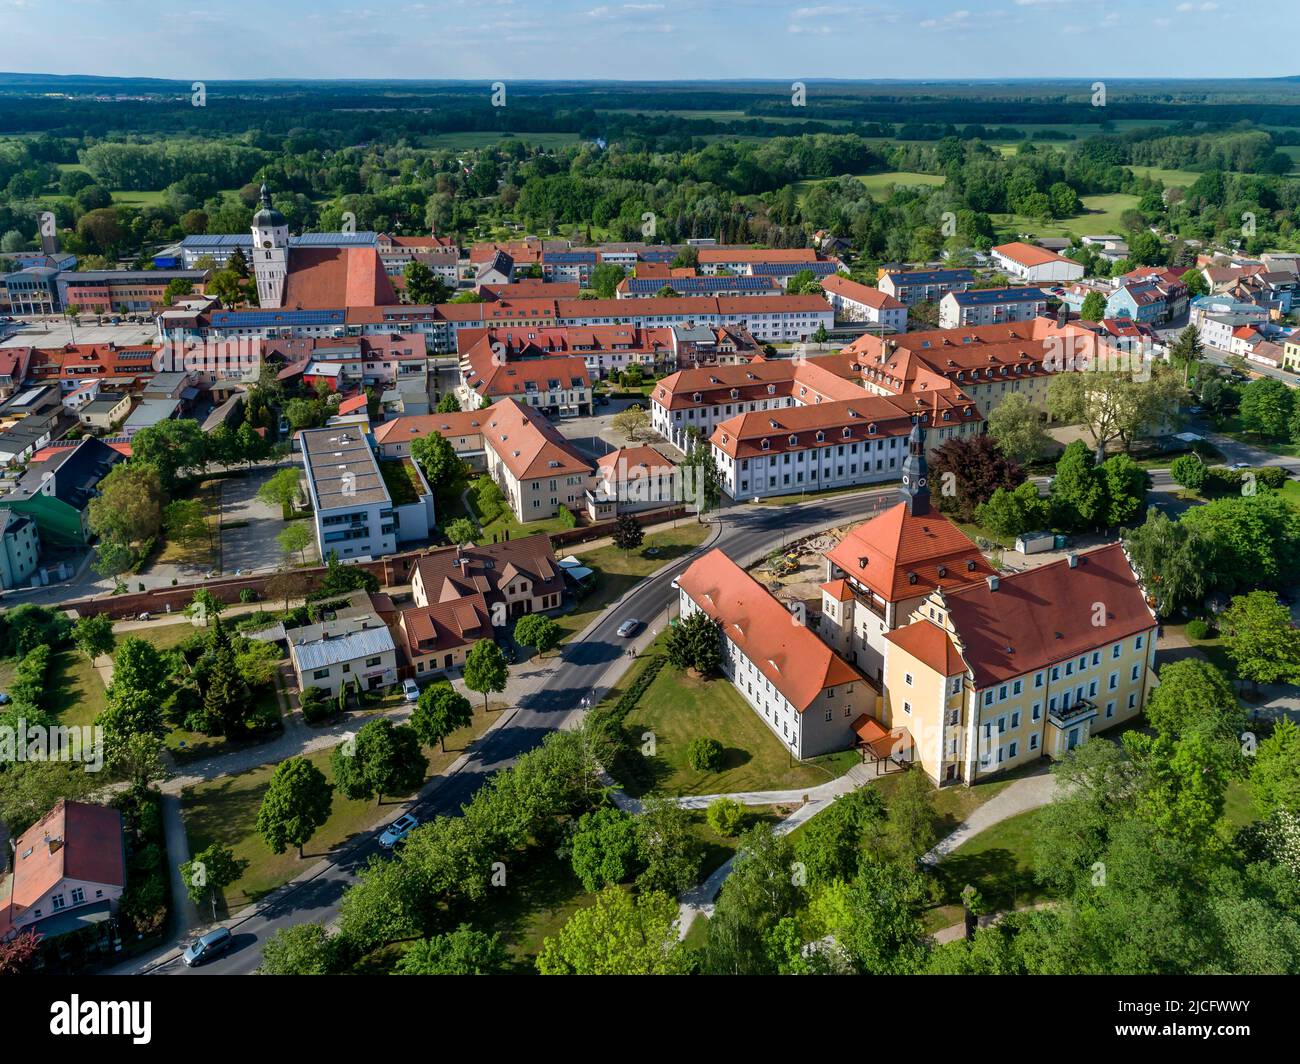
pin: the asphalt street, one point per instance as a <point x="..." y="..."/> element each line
<point x="585" y="671"/>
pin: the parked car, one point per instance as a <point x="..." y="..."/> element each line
<point x="629" y="628"/>
<point x="398" y="830"/>
<point x="146" y="616"/>
<point x="205" y="947"/>
<point x="410" y="690"/>
<point x="508" y="652"/>
<point x="1239" y="465"/>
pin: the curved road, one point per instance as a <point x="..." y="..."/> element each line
<point x="585" y="670"/>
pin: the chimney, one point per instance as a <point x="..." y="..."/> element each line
<point x="1073" y="559"/>
<point x="992" y="581"/>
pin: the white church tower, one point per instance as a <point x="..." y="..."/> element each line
<point x="270" y="252"/>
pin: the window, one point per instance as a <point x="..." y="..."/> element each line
<point x="1033" y="742"/>
<point x="1132" y="701"/>
<point x="1037" y="712"/>
<point x="988" y="697"/>
<point x="828" y="715"/>
<point x="907" y="708"/>
<point x="320" y="674"/>
<point x="1110" y="710"/>
<point x="1056" y="673"/>
<point x="907" y="678"/>
<point x="78" y="895"/>
<point x="1115" y="651"/>
<point x="1017" y="687"/>
<point x="1096" y="658"/>
<point x="1013" y="749"/>
<point x="1015" y="720"/>
<point x="57" y="902"/>
<point x="1114" y="681"/>
<point x="1137" y="643"/>
<point x="1002" y="693"/>
<point x="1134" y="674"/>
<point x="1038" y="679"/>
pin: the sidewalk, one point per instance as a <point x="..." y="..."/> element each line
<point x="1026" y="793"/>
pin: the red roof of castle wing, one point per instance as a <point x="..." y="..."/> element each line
<point x="1048" y="614"/>
<point x="897" y="546"/>
<point x="795" y="660"/>
<point x="329" y="278"/>
<point x="931" y="645"/>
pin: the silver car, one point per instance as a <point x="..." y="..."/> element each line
<point x="629" y="628"/>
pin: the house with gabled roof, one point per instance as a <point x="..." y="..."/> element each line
<point x="537" y="469"/>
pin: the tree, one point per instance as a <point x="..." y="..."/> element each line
<point x="138" y="758"/>
<point x="628" y="533"/>
<point x="171" y="447"/>
<point x="185" y="522"/>
<point x="1010" y="513"/>
<point x="460" y="952"/>
<point x="209" y="872"/>
<point x="441" y="710"/>
<point x="1266" y="405"/>
<point x="603" y="849"/>
<point x="1260" y="639"/>
<point x="281" y="489"/>
<point x="1113" y="404"/>
<point x="295" y="538"/>
<point x="1196" y="284"/>
<point x="1275" y="774"/>
<point x="1188" y="470"/>
<point x="632" y="422"/>
<point x="383" y="758"/>
<point x="300" y="949"/>
<point x="1187" y="350"/>
<point x="1126" y="489"/>
<point x="423" y="287"/>
<point x="485" y="669"/>
<point x="18" y="954"/>
<point x="204" y="607"/>
<point x="667" y="847"/>
<point x="911" y="823"/>
<point x="618" y="935"/>
<point x="442" y="466"/>
<point x="288" y="584"/>
<point x="227" y="701"/>
<point x="1078" y="490"/>
<point x="1250" y="540"/>
<point x="695" y="642"/>
<point x="874" y="917"/>
<point x="94" y="636"/>
<point x="449" y="404"/>
<point x="135" y="695"/>
<point x="1017" y="427"/>
<point x="725" y="815"/>
<point x="128" y="508"/>
<point x="967" y="471"/>
<point x="538" y="631"/>
<point x="1194" y="696"/>
<point x="462" y="531"/>
<point x="1094" y="307"/>
<point x="606" y="278"/>
<point x="296" y="803"/>
<point x="758" y="894"/>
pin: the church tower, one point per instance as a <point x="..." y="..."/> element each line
<point x="916" y="477"/>
<point x="270" y="252"/>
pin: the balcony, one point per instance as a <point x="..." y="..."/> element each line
<point x="1078" y="711"/>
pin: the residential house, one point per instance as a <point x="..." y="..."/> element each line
<point x="462" y="429"/>
<point x="69" y="872"/>
<point x="104" y="410"/>
<point x="537" y="469"/>
<point x="56" y="492"/>
<point x="344" y="653"/>
<point x="634" y="480"/>
<point x="513" y="577"/>
<point x="990" y="306"/>
<point x="853" y="301"/>
<point x="20" y="549"/>
<point x="923" y="286"/>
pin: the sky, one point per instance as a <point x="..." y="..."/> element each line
<point x="651" y="39"/>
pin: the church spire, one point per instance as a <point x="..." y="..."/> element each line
<point x="916" y="477"/>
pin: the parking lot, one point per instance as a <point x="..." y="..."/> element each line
<point x="57" y="333"/>
<point x="249" y="526"/>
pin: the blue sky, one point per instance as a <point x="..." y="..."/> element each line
<point x="652" y="39"/>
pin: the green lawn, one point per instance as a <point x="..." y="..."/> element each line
<point x="224" y="810"/>
<point x="999" y="862"/>
<point x="618" y="570"/>
<point x="505" y="523"/>
<point x="1171" y="178"/>
<point x="878" y="185"/>
<point x="1101" y="214"/>
<point x="677" y="708"/>
<point x="1231" y="427"/>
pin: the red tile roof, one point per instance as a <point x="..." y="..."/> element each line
<point x="330" y="278"/>
<point x="789" y="654"/>
<point x="860" y="293"/>
<point x="417" y="426"/>
<point x="528" y="444"/>
<point x="74" y="840"/>
<point x="711" y="255"/>
<point x="1030" y="254"/>
<point x="930" y="645"/>
<point x="452" y="573"/>
<point x="1046" y="615"/>
<point x="443" y="626"/>
<point x="884" y="553"/>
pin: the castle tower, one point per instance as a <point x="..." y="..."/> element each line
<point x="916" y="477"/>
<point x="270" y="252"/>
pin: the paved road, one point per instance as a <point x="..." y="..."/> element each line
<point x="587" y="669"/>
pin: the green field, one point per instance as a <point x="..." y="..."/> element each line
<point x="1101" y="214"/>
<point x="468" y="140"/>
<point x="879" y="185"/>
<point x="1171" y="178"/>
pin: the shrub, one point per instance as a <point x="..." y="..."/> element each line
<point x="315" y="706"/>
<point x="725" y="816"/>
<point x="248" y="595"/>
<point x="705" y="754"/>
<point x="1271" y="477"/>
<point x="1198" y="629"/>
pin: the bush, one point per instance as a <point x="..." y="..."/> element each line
<point x="705" y="754"/>
<point x="1198" y="629"/>
<point x="248" y="595"/>
<point x="725" y="816"/>
<point x="315" y="706"/>
<point x="1270" y="477"/>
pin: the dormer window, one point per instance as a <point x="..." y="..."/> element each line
<point x="793" y="439"/>
<point x="765" y="444"/>
<point x="846" y="432"/>
<point x="735" y="393"/>
<point x="771" y="389"/>
<point x="821" y="436"/>
<point x="871" y="429"/>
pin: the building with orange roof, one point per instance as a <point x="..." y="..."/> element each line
<point x="462" y="429"/>
<point x="854" y="301"/>
<point x="557" y="385"/>
<point x="69" y="871"/>
<point x="884" y="569"/>
<point x="633" y="480"/>
<point x="537" y="469"/>
<point x="806" y="694"/>
<point x="513" y="577"/>
<point x="1035" y="264"/>
<point x="438" y="636"/>
<point x="997" y="673"/>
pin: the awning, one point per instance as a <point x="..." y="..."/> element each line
<point x="76" y="919"/>
<point x="894" y="745"/>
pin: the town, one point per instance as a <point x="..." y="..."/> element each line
<point x="649" y="536"/>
